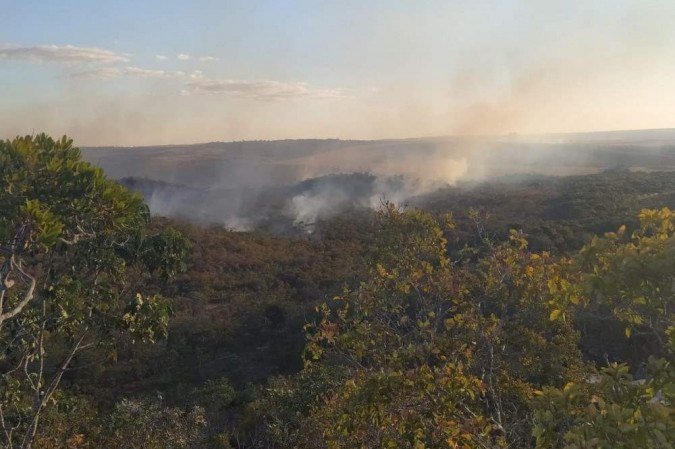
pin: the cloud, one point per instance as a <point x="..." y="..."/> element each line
<point x="105" y="73"/>
<point x="258" y="90"/>
<point x="183" y="57"/>
<point x="145" y="73"/>
<point x="66" y="54"/>
<point x="208" y="59"/>
<point x="196" y="75"/>
<point x="161" y="57"/>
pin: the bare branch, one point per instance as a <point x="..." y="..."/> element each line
<point x="10" y="266"/>
<point x="28" y="295"/>
<point x="7" y="431"/>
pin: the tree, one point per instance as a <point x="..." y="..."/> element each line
<point x="66" y="230"/>
<point x="630" y="280"/>
<point x="430" y="352"/>
<point x="612" y="410"/>
<point x="630" y="284"/>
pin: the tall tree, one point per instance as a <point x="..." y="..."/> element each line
<point x="69" y="236"/>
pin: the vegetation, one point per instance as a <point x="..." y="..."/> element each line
<point x="504" y="325"/>
<point x="71" y="238"/>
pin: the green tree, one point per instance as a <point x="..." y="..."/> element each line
<point x="611" y="411"/>
<point x="630" y="284"/>
<point x="630" y="280"/>
<point x="66" y="248"/>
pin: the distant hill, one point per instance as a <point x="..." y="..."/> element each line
<point x="255" y="164"/>
<point x="288" y="185"/>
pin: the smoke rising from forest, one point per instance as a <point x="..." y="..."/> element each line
<point x="294" y="183"/>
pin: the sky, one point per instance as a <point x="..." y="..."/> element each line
<point x="142" y="72"/>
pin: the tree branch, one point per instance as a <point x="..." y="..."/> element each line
<point x="28" y="437"/>
<point x="28" y="295"/>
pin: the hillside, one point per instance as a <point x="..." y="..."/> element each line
<point x="268" y="163"/>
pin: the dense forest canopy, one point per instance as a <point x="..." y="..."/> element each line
<point x="528" y="314"/>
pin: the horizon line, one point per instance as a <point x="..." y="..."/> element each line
<point x="389" y="139"/>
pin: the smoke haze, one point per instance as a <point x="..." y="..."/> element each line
<point x="295" y="183"/>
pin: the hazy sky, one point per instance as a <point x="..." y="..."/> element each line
<point x="149" y="72"/>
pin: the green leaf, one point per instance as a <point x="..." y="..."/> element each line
<point x="555" y="313"/>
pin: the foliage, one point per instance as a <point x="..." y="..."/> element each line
<point x="136" y="424"/>
<point x="75" y="423"/>
<point x="46" y="183"/>
<point x="215" y="394"/>
<point x="629" y="280"/>
<point x="165" y="253"/>
<point x="434" y="352"/>
<point x="633" y="278"/>
<point x="278" y="416"/>
<point x="611" y="410"/>
<point x="439" y="353"/>
<point x="66" y="229"/>
<point x="558" y="214"/>
<point x="70" y="423"/>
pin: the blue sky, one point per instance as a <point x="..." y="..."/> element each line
<point x="146" y="72"/>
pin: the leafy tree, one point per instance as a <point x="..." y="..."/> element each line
<point x="164" y="253"/>
<point x="66" y="232"/>
<point x="631" y="283"/>
<point x="523" y="338"/>
<point x="430" y="352"/>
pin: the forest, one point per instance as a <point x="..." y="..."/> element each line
<point x="535" y="312"/>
